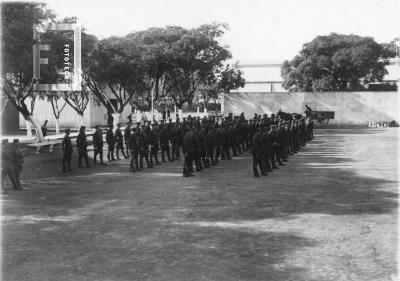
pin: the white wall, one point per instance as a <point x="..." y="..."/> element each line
<point x="351" y="108"/>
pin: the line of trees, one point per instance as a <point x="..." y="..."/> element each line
<point x="137" y="69"/>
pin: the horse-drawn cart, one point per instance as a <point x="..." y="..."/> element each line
<point x="321" y="118"/>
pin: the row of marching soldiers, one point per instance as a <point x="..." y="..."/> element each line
<point x="204" y="142"/>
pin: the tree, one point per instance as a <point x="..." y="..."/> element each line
<point x="198" y="56"/>
<point x="18" y="20"/>
<point x="57" y="105"/>
<point x="114" y="74"/>
<point x="222" y="81"/>
<point x="79" y="100"/>
<point x="157" y="50"/>
<point x="336" y="62"/>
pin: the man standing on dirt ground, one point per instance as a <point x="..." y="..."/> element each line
<point x="119" y="139"/>
<point x="81" y="144"/>
<point x="98" y="145"/>
<point x="7" y="168"/>
<point x="110" y="139"/>
<point x="66" y="148"/>
<point x="127" y="135"/>
<point x="18" y="161"/>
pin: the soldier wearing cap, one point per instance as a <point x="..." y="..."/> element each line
<point x="81" y="144"/>
<point x="110" y="139"/>
<point x="66" y="147"/>
<point x="18" y="161"/>
<point x="119" y="140"/>
<point x="127" y="134"/>
<point x="134" y="147"/>
<point x="7" y="164"/>
<point x="98" y="145"/>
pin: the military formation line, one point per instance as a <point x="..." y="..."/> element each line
<point x="202" y="143"/>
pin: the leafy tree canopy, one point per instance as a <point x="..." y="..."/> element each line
<point x="336" y="62"/>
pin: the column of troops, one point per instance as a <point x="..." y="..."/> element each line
<point x="204" y="142"/>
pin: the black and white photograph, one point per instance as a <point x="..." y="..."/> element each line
<point x="188" y="140"/>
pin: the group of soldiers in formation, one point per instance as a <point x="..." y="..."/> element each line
<point x="203" y="142"/>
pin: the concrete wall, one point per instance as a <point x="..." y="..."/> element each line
<point x="351" y="108"/>
<point x="94" y="115"/>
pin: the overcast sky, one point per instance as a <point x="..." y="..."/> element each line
<point x="259" y="30"/>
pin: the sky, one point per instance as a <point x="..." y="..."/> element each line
<point x="258" y="30"/>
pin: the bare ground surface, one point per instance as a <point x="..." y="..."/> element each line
<point x="329" y="214"/>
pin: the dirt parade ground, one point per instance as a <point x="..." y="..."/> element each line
<point x="329" y="214"/>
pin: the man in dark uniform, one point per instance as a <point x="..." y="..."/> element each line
<point x="18" y="161"/>
<point x="134" y="147"/>
<point x="7" y="164"/>
<point x="152" y="134"/>
<point x="119" y="140"/>
<point x="127" y="134"/>
<point x="81" y="144"/>
<point x="66" y="147"/>
<point x="164" y="142"/>
<point x="257" y="153"/>
<point x="188" y="153"/>
<point x="98" y="145"/>
<point x="144" y="148"/>
<point x="210" y="140"/>
<point x="110" y="139"/>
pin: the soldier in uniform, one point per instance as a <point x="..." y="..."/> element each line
<point x="144" y="148"/>
<point x="164" y="142"/>
<point x="119" y="140"/>
<point x="257" y="153"/>
<point x="154" y="143"/>
<point x="110" y="139"/>
<point x="66" y="147"/>
<point x="188" y="153"/>
<point x="127" y="134"/>
<point x="7" y="164"/>
<point x="18" y="162"/>
<point x="210" y="140"/>
<point x="98" y="145"/>
<point x="134" y="147"/>
<point x="81" y="144"/>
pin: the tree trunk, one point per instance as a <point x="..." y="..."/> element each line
<point x="57" y="126"/>
<point x="116" y="117"/>
<point x="35" y="123"/>
<point x="80" y="119"/>
<point x="28" y="128"/>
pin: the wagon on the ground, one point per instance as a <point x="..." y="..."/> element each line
<point x="321" y="118"/>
